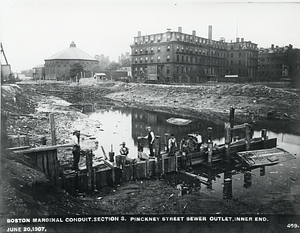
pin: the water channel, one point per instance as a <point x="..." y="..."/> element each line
<point x="126" y="124"/>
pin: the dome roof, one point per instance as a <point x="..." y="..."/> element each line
<point x="71" y="53"/>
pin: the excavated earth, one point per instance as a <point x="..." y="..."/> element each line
<point x="26" y="191"/>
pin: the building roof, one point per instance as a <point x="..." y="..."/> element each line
<point x="39" y="66"/>
<point x="72" y="53"/>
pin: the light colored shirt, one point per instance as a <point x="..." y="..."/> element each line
<point x="75" y="140"/>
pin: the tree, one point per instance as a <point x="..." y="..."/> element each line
<point x="27" y="73"/>
<point x="75" y="70"/>
<point x="113" y="66"/>
<point x="125" y="62"/>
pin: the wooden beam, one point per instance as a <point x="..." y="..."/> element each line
<point x="242" y="126"/>
<point x="52" y="128"/>
<point x="39" y="149"/>
<point x="18" y="148"/>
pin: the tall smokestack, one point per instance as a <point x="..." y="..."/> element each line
<point x="210" y="34"/>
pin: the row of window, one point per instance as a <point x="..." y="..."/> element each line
<point x="181" y="70"/>
<point x="186" y="59"/>
<point x="179" y="37"/>
<point x="271" y="59"/>
<point x="279" y="66"/>
<point x="278" y="73"/>
<point x="191" y="51"/>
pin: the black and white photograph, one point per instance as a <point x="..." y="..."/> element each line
<point x="150" y="116"/>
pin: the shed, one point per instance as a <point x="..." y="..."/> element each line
<point x="100" y="77"/>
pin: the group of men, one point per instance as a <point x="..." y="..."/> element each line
<point x="124" y="151"/>
<point x="189" y="145"/>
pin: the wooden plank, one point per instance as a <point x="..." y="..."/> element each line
<point x="56" y="166"/>
<point x="133" y="171"/>
<point x="236" y="127"/>
<point x="51" y="166"/>
<point x="126" y="173"/>
<point x="82" y="183"/>
<point x="265" y="157"/>
<point x="18" y="148"/>
<point x="52" y="128"/>
<point x="202" y="179"/>
<point x="45" y="160"/>
<point x="40" y="149"/>
<point x="152" y="166"/>
<point x="39" y="161"/>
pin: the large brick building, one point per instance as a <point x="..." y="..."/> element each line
<point x="178" y="57"/>
<point x="277" y="63"/>
<point x="59" y="65"/>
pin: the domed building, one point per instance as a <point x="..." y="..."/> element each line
<point x="57" y="67"/>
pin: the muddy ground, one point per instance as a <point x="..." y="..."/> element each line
<point x="26" y="107"/>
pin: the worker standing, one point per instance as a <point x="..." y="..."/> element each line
<point x="151" y="138"/>
<point x="124" y="151"/>
<point x="76" y="149"/>
<point x="172" y="145"/>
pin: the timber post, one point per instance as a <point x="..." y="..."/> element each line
<point x="111" y="154"/>
<point x="247" y="178"/>
<point x="176" y="162"/>
<point x="227" y="188"/>
<point x="158" y="155"/>
<point x="166" y="142"/>
<point x="89" y="166"/>
<point x="210" y="146"/>
<point x="248" y="136"/>
<point x="231" y="121"/>
<point x="264" y="137"/>
<point x="52" y="128"/>
<point x="262" y="170"/>
<point x="227" y="141"/>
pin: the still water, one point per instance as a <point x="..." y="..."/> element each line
<point x="125" y="125"/>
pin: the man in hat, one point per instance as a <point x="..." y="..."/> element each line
<point x="172" y="145"/>
<point x="151" y="138"/>
<point x="76" y="149"/>
<point x="124" y="150"/>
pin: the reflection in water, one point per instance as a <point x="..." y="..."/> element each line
<point x="227" y="189"/>
<point x="247" y="179"/>
<point x="224" y="180"/>
<point x="262" y="170"/>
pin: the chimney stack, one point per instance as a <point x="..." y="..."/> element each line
<point x="194" y="33"/>
<point x="139" y="33"/>
<point x="237" y="39"/>
<point x="210" y="32"/>
<point x="272" y="46"/>
<point x="180" y="29"/>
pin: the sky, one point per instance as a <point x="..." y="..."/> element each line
<point x="33" y="30"/>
